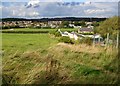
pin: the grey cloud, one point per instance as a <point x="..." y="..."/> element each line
<point x="55" y="9"/>
<point x="102" y="0"/>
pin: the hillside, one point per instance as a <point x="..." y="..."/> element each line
<point x="30" y="59"/>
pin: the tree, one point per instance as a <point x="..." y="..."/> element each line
<point x="77" y="23"/>
<point x="83" y="23"/>
<point x="64" y="24"/>
<point x="95" y="24"/>
<point x="110" y="25"/>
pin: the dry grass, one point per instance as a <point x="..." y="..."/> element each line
<point x="62" y="64"/>
<point x="81" y="48"/>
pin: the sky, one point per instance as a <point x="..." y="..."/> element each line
<point x="43" y="0"/>
<point x="58" y="8"/>
<point x="62" y="0"/>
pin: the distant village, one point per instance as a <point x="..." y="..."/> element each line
<point x="27" y="24"/>
<point x="50" y="24"/>
<point x="65" y="22"/>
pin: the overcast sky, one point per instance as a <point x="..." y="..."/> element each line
<point x="61" y="0"/>
<point x="58" y="8"/>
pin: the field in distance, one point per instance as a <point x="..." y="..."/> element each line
<point x="32" y="30"/>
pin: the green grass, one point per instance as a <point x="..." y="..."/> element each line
<point x="40" y="59"/>
<point x="35" y="30"/>
<point x="26" y="42"/>
<point x="28" y="29"/>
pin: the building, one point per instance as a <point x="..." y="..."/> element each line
<point x="85" y="30"/>
<point x="70" y="35"/>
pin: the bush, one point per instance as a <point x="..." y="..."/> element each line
<point x="87" y="41"/>
<point x="66" y="40"/>
<point x="57" y="34"/>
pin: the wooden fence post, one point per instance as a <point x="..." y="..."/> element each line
<point x="93" y="40"/>
<point x="107" y="41"/>
<point x="117" y="40"/>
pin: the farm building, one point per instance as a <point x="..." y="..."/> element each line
<point x="85" y="30"/>
<point x="70" y="35"/>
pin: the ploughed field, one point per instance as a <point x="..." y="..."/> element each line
<point x="41" y="59"/>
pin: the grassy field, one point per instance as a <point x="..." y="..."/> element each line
<point x="25" y="42"/>
<point x="40" y="59"/>
<point x="37" y="30"/>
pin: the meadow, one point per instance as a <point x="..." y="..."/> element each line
<point x="41" y="59"/>
<point x="32" y="30"/>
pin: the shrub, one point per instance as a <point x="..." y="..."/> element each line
<point x="66" y="40"/>
<point x="87" y="41"/>
<point x="57" y="34"/>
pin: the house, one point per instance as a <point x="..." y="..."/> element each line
<point x="70" y="35"/>
<point x="71" y="25"/>
<point x="97" y="38"/>
<point x="77" y="26"/>
<point x="73" y="35"/>
<point x="85" y="30"/>
<point x="90" y="26"/>
<point x="63" y="33"/>
<point x="88" y="23"/>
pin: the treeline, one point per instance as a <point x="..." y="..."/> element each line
<point x="13" y="19"/>
<point x="55" y="19"/>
